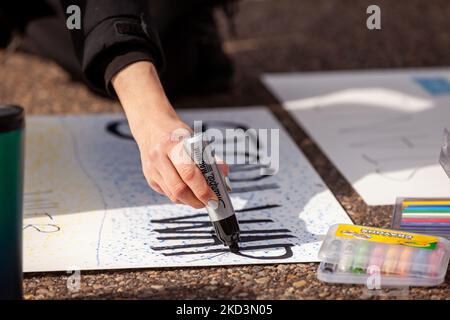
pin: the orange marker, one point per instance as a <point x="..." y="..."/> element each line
<point x="405" y="260"/>
<point x="391" y="259"/>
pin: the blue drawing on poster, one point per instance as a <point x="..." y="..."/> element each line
<point x="436" y="86"/>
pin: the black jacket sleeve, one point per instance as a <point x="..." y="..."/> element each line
<point x="114" y="33"/>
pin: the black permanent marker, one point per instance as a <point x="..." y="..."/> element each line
<point x="223" y="217"/>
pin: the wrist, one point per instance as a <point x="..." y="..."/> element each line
<point x="140" y="92"/>
<point x="144" y="101"/>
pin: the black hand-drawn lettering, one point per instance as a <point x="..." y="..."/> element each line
<point x="189" y="231"/>
<point x="286" y="255"/>
<point x="36" y="204"/>
<point x="261" y="187"/>
<point x="43" y="227"/>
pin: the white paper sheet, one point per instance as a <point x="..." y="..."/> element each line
<point x="382" y="129"/>
<point x="87" y="204"/>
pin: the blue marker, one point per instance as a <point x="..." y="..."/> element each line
<point x="420" y="262"/>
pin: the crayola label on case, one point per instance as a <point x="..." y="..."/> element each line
<point x="387" y="236"/>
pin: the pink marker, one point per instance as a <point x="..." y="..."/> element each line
<point x="435" y="259"/>
<point x="377" y="256"/>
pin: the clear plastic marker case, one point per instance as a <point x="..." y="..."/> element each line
<point x="359" y="255"/>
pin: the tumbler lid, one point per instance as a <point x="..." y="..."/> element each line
<point x="11" y="118"/>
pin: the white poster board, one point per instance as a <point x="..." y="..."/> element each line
<point x="382" y="129"/>
<point x="88" y="206"/>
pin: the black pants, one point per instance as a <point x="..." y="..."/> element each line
<point x="189" y="39"/>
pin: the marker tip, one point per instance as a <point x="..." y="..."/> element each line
<point x="234" y="248"/>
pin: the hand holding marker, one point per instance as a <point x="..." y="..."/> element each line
<point x="222" y="216"/>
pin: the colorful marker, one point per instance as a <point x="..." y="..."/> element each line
<point x="428" y="213"/>
<point x="361" y="257"/>
<point x="405" y="260"/>
<point x="435" y="259"/>
<point x="391" y="259"/>
<point x="335" y="249"/>
<point x="444" y="209"/>
<point x="377" y="255"/>
<point x="426" y="203"/>
<point x="420" y="261"/>
<point x="428" y="218"/>
<point x="347" y="256"/>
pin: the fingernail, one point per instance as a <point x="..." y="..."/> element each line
<point x="213" y="204"/>
<point x="228" y="183"/>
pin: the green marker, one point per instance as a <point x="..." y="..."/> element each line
<point x="11" y="194"/>
<point x="361" y="259"/>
